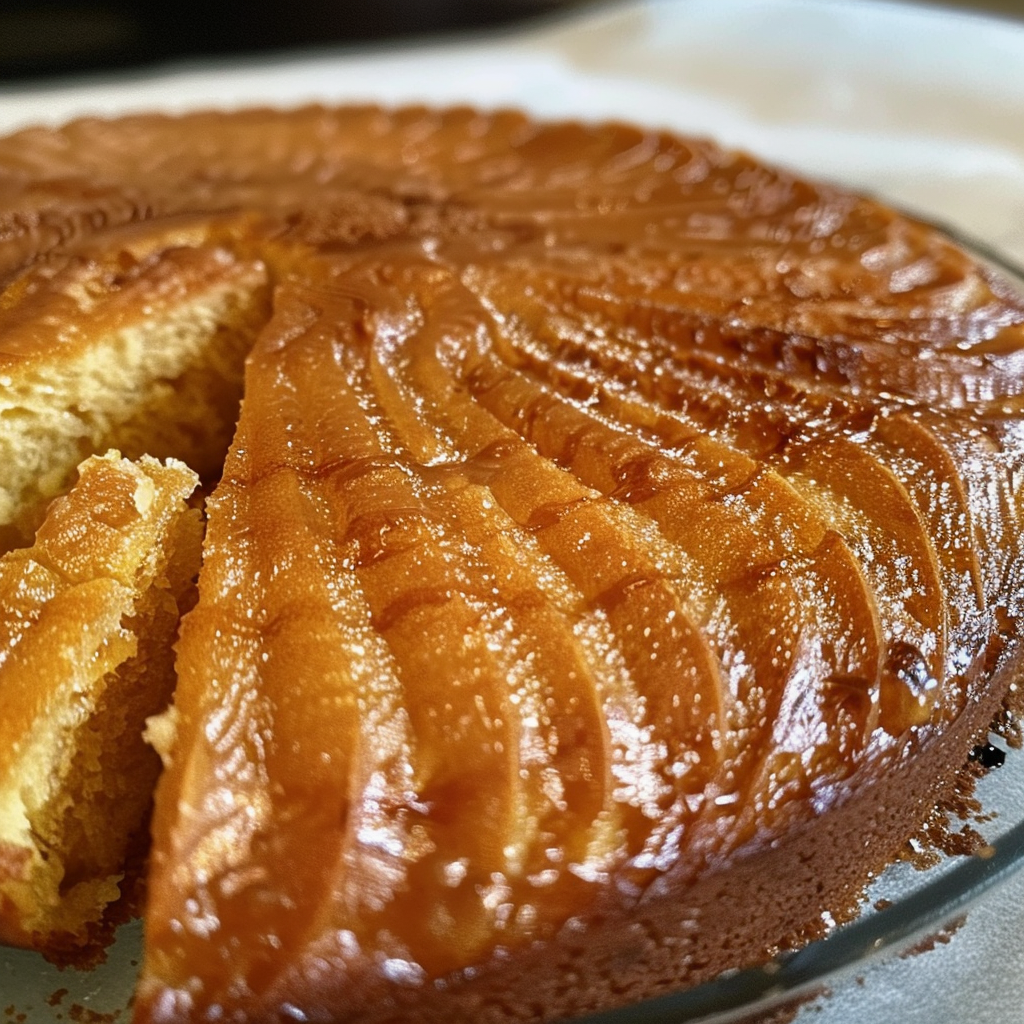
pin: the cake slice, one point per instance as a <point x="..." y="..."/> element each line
<point x="88" y="619"/>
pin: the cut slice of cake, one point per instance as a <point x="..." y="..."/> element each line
<point x="88" y="619"/>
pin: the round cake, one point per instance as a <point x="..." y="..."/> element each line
<point x="613" y="558"/>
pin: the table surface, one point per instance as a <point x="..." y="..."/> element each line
<point x="919" y="104"/>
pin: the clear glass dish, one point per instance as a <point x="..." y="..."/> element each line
<point x="904" y="907"/>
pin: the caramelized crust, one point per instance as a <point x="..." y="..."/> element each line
<point x="614" y="526"/>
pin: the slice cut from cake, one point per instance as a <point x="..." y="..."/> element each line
<point x="88" y="618"/>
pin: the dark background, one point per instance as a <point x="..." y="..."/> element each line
<point x="40" y="38"/>
<point x="56" y="38"/>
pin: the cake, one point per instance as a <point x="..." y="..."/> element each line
<point x="88" y="617"/>
<point x="615" y="558"/>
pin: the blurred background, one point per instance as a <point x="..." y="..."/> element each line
<point x="56" y="38"/>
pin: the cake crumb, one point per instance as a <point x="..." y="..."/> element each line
<point x="86" y="1015"/>
<point x="942" y="937"/>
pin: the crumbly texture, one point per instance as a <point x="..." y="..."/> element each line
<point x="88" y="618"/>
<point x="139" y="346"/>
<point x="613" y="527"/>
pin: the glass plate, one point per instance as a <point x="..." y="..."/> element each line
<point x="904" y="908"/>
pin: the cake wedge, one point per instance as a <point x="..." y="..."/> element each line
<point x="88" y="617"/>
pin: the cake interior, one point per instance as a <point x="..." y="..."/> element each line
<point x="144" y="345"/>
<point x="88" y="618"/>
<point x="145" y="356"/>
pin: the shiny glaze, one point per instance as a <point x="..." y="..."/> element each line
<point x="601" y="503"/>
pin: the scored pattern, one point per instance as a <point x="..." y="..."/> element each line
<point x="601" y="501"/>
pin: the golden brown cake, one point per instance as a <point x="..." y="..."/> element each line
<point x="103" y="345"/>
<point x="88" y="616"/>
<point x="617" y="555"/>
